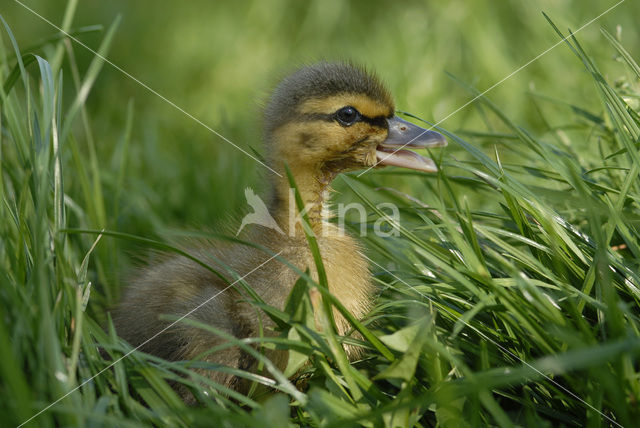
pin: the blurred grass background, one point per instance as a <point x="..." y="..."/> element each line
<point x="218" y="61"/>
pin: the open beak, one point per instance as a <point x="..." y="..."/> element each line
<point x="403" y="134"/>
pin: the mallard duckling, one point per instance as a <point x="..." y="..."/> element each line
<point x="321" y="120"/>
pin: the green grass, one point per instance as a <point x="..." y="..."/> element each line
<point x="510" y="296"/>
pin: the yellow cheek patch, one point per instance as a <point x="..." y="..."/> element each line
<point x="362" y="103"/>
<point x="320" y="139"/>
<point x="361" y="131"/>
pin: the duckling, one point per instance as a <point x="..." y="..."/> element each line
<point x="321" y="120"/>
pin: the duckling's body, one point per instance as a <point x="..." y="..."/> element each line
<point x="321" y="120"/>
<point x="178" y="285"/>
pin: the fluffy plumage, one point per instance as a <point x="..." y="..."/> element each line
<point x="321" y="80"/>
<point x="308" y="128"/>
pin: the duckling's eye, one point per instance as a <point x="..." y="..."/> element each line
<point x="347" y="116"/>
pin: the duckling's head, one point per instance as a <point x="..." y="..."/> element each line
<point x="333" y="117"/>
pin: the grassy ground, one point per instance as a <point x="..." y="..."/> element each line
<point x="509" y="298"/>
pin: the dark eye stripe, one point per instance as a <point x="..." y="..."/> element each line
<point x="378" y="121"/>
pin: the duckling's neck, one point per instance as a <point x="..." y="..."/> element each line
<point x="313" y="189"/>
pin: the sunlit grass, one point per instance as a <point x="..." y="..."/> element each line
<point x="510" y="296"/>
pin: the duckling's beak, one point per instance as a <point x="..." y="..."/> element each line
<point x="405" y="134"/>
